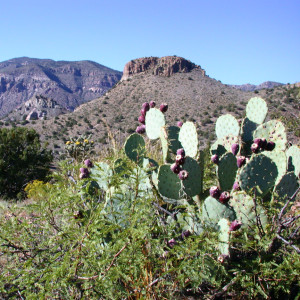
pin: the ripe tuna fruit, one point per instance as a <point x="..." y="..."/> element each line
<point x="263" y="143"/>
<point x="88" y="163"/>
<point x="175" y="168"/>
<point x="141" y="129"/>
<point x="183" y="175"/>
<point x="179" y="159"/>
<point x="235" y="149"/>
<point x="224" y="197"/>
<point x="215" y="159"/>
<point x="171" y="243"/>
<point x="142" y="119"/>
<point x="214" y="192"/>
<point x="163" y="107"/>
<point x="236" y="186"/>
<point x="152" y="104"/>
<point x="186" y="234"/>
<point x="143" y="112"/>
<point x="180" y="152"/>
<point x="259" y="142"/>
<point x="270" y="146"/>
<point x="179" y="124"/>
<point x="235" y="225"/>
<point x="255" y="148"/>
<point x="146" y="106"/>
<point x="240" y="160"/>
<point x="84" y="171"/>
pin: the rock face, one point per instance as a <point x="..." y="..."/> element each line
<point x="38" y="107"/>
<point x="164" y="66"/>
<point x="68" y="83"/>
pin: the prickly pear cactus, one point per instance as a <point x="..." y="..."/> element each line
<point x="224" y="236"/>
<point x="135" y="147"/>
<point x="260" y="173"/>
<point x="223" y="145"/>
<point x="213" y="211"/>
<point x="226" y="170"/>
<point x="243" y="206"/>
<point x="171" y="134"/>
<point x="273" y="131"/>
<point x="256" y="110"/>
<point x="227" y="125"/>
<point x="188" y="138"/>
<point x="293" y="159"/>
<point x="154" y="120"/>
<point x="286" y="187"/>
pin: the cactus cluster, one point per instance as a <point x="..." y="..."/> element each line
<point x="251" y="161"/>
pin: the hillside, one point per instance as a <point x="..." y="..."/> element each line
<point x="68" y="83"/>
<point x="190" y="93"/>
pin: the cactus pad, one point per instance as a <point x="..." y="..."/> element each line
<point x="154" y="120"/>
<point x="227" y="125"/>
<point x="293" y="159"/>
<point x="274" y="131"/>
<point x="256" y="110"/>
<point x="218" y="148"/>
<point x="171" y="133"/>
<point x="260" y="173"/>
<point x="169" y="185"/>
<point x="193" y="184"/>
<point x="226" y="170"/>
<point x="189" y="139"/>
<point x="223" y="145"/>
<point x="279" y="158"/>
<point x="224" y="236"/>
<point x="213" y="211"/>
<point x="248" y="128"/>
<point x="286" y="187"/>
<point x="135" y="147"/>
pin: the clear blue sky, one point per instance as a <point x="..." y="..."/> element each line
<point x="238" y="41"/>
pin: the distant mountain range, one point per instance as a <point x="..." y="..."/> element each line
<point x="68" y="83"/>
<point x="251" y="87"/>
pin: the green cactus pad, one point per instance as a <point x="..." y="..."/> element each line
<point x="256" y="110"/>
<point x="154" y="120"/>
<point x="217" y="148"/>
<point x="227" y="125"/>
<point x="293" y="159"/>
<point x="226" y="170"/>
<point x="154" y="178"/>
<point x="243" y="206"/>
<point x="224" y="236"/>
<point x="274" y="131"/>
<point x="189" y="139"/>
<point x="279" y="158"/>
<point x="223" y="145"/>
<point x="259" y="173"/>
<point x="165" y="144"/>
<point x="213" y="211"/>
<point x="193" y="184"/>
<point x="169" y="184"/>
<point x="102" y="174"/>
<point x="171" y="133"/>
<point x="135" y="147"/>
<point x="189" y="221"/>
<point x="286" y="187"/>
<point x="248" y="128"/>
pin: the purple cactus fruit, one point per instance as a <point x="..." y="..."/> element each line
<point x="175" y="168"/>
<point x="185" y="234"/>
<point x="235" y="225"/>
<point x="183" y="175"/>
<point x="235" y="148"/>
<point x="88" y="163"/>
<point x="84" y="171"/>
<point x="143" y="112"/>
<point x="224" y="197"/>
<point x="179" y="124"/>
<point x="180" y="152"/>
<point x="152" y="104"/>
<point x="146" y="106"/>
<point x="240" y="160"/>
<point x="83" y="175"/>
<point x="270" y="146"/>
<point x="263" y="144"/>
<point x="163" y="107"/>
<point x="141" y="129"/>
<point x="171" y="243"/>
<point x="214" y="192"/>
<point x="236" y="186"/>
<point x="179" y="159"/>
<point x="142" y="119"/>
<point x="215" y="159"/>
<point x="258" y="142"/>
<point x="255" y="148"/>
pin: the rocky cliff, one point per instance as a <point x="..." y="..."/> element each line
<point x="164" y="66"/>
<point x="68" y="83"/>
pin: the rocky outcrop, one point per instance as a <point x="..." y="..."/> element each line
<point x="69" y="83"/>
<point x="164" y="66"/>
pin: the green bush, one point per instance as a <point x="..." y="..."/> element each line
<point x="22" y="160"/>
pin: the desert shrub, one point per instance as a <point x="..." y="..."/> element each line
<point x="22" y="159"/>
